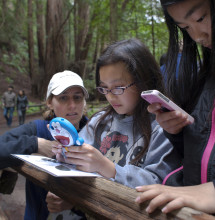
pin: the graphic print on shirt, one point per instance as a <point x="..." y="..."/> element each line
<point x="114" y="147"/>
<point x="135" y="152"/>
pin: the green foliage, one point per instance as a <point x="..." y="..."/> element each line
<point x="11" y="19"/>
<point x="91" y="86"/>
<point x="91" y="112"/>
<point x="135" y="20"/>
<point x="93" y="107"/>
<point x="142" y="19"/>
<point x="9" y="80"/>
<point x="32" y="110"/>
<point x="14" y="59"/>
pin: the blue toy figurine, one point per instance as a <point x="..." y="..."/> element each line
<point x="64" y="132"/>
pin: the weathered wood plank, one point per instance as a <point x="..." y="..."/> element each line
<point x="3" y="216"/>
<point x="103" y="198"/>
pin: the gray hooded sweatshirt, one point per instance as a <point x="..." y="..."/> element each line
<point x="120" y="145"/>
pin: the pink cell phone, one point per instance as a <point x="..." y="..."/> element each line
<point x="154" y="96"/>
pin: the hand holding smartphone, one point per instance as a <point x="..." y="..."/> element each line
<point x="154" y="96"/>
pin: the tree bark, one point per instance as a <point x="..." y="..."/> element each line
<point x="56" y="46"/>
<point x="20" y="13"/>
<point x="37" y="78"/>
<point x="82" y="35"/>
<point x="40" y="33"/>
<point x="30" y="38"/>
<point x="113" y="20"/>
<point x="153" y="31"/>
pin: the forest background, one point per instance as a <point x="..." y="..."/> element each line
<point x="41" y="37"/>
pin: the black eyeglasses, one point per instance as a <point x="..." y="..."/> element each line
<point x="114" y="91"/>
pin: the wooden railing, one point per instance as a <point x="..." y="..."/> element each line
<point x="40" y="106"/>
<point x="102" y="198"/>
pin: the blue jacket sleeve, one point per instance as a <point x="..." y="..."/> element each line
<point x="20" y="140"/>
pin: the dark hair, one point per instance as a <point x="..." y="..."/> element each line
<point x="192" y="71"/>
<point x="163" y="59"/>
<point x="23" y="92"/>
<point x="10" y="87"/>
<point x="48" y="114"/>
<point x="141" y="64"/>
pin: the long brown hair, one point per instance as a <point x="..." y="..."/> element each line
<point x="48" y="113"/>
<point x="146" y="74"/>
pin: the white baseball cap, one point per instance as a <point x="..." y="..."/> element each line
<point x="62" y="81"/>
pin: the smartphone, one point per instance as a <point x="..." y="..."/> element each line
<point x="154" y="96"/>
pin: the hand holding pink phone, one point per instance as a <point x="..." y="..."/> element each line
<point x="154" y="96"/>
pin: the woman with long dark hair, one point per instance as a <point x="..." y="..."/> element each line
<point x="22" y="105"/>
<point x="194" y="91"/>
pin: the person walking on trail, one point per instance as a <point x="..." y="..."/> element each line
<point x="22" y="105"/>
<point x="8" y="102"/>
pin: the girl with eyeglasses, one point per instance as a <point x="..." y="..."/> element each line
<point x="123" y="141"/>
<point x="194" y="91"/>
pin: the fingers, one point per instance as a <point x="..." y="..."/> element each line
<point x="74" y="151"/>
<point x="85" y="152"/>
<point x="76" y="158"/>
<point x="81" y="164"/>
<point x="52" y="197"/>
<point x="60" y="157"/>
<point x="53" y="202"/>
<point x="149" y="187"/>
<point x="147" y="195"/>
<point x="44" y="147"/>
<point x="172" y="198"/>
<point x="75" y="161"/>
<point x="173" y="121"/>
<point x="160" y="200"/>
<point x="154" y="108"/>
<point x="56" y="204"/>
<point x="85" y="157"/>
<point x="56" y="144"/>
<point x="82" y="149"/>
<point x="73" y="156"/>
<point x="158" y="195"/>
<point x="173" y="205"/>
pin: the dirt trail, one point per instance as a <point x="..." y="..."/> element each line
<point x="15" y="123"/>
<point x="12" y="206"/>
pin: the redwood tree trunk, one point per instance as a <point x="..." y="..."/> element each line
<point x="55" y="56"/>
<point x="40" y="33"/>
<point x="113" y="20"/>
<point x="30" y="39"/>
<point x="38" y="77"/>
<point x="82" y="35"/>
